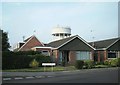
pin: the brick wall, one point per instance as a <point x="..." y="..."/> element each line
<point x="72" y="57"/>
<point x="31" y="43"/>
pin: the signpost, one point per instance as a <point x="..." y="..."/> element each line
<point x="48" y="64"/>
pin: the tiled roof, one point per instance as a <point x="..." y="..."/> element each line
<point x="58" y="43"/>
<point x="103" y="43"/>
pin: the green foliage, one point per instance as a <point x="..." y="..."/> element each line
<point x="101" y="66"/>
<point x="89" y="63"/>
<point x="5" y="43"/>
<point x="27" y="52"/>
<point x="14" y="60"/>
<point x="114" y="62"/>
<point x="63" y="63"/>
<point x="79" y="64"/>
<point x="118" y="62"/>
<point x="42" y="59"/>
<point x="107" y="62"/>
<point x="34" y="64"/>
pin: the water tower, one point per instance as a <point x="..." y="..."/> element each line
<point x="61" y="32"/>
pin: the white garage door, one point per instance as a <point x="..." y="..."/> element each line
<point x="83" y="55"/>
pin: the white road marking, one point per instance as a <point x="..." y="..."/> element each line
<point x="39" y="76"/>
<point x="17" y="78"/>
<point x="7" y="78"/>
<point x="29" y="77"/>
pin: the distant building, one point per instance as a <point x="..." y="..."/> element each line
<point x="32" y="43"/>
<point x="61" y="32"/>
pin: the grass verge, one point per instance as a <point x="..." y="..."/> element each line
<point x="42" y="69"/>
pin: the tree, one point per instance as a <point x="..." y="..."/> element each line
<point x="5" y="43"/>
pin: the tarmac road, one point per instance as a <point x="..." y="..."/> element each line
<point x="107" y="75"/>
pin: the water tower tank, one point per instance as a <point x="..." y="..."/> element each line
<point x="61" y="32"/>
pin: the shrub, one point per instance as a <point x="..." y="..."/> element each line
<point x="114" y="62"/>
<point x="27" y="52"/>
<point x="19" y="60"/>
<point x="118" y="62"/>
<point x="42" y="59"/>
<point x="89" y="63"/>
<point x="34" y="64"/>
<point x="107" y="62"/>
<point x="63" y="63"/>
<point x="79" y="64"/>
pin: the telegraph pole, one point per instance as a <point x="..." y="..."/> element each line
<point x="93" y="44"/>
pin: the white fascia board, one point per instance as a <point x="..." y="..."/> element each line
<point x="113" y="43"/>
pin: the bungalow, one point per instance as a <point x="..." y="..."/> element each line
<point x="32" y="43"/>
<point x="70" y="49"/>
<point x="73" y="48"/>
<point x="106" y="49"/>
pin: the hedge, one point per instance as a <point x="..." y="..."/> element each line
<point x="79" y="64"/>
<point x="14" y="60"/>
<point x="42" y="59"/>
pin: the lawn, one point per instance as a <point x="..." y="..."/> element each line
<point x="50" y="69"/>
<point x="42" y="69"/>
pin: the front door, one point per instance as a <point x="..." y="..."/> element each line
<point x="65" y="57"/>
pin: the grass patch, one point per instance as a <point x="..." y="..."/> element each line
<point x="101" y="66"/>
<point x="41" y="69"/>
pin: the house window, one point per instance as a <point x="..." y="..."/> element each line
<point x="112" y="55"/>
<point x="83" y="55"/>
<point x="45" y="52"/>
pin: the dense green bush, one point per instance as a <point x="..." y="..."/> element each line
<point x="27" y="52"/>
<point x="88" y="63"/>
<point x="114" y="62"/>
<point x="79" y="64"/>
<point x="118" y="62"/>
<point x="42" y="59"/>
<point x="107" y="62"/>
<point x="34" y="64"/>
<point x="14" y="60"/>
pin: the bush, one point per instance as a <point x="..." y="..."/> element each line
<point x="118" y="62"/>
<point x="79" y="64"/>
<point x="114" y="62"/>
<point x="15" y="60"/>
<point x="107" y="62"/>
<point x="63" y="63"/>
<point x="42" y="59"/>
<point x="34" y="64"/>
<point x="27" y="52"/>
<point x="89" y="63"/>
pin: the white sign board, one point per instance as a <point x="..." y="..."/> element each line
<point x="48" y="64"/>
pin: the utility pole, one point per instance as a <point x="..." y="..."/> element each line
<point x="34" y="32"/>
<point x="23" y="38"/>
<point x="93" y="44"/>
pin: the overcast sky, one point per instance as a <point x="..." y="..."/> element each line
<point x="22" y="18"/>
